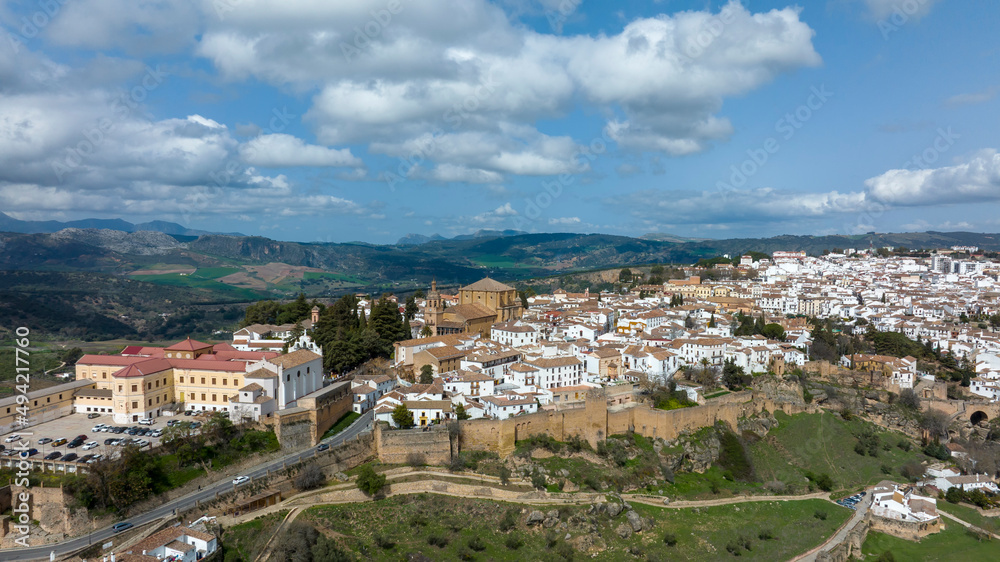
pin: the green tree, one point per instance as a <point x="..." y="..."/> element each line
<point x="426" y="374"/>
<point x="773" y="332"/>
<point x="460" y="412"/>
<point x="411" y="307"/>
<point x="625" y="275"/>
<point x="369" y="481"/>
<point x="402" y="417"/>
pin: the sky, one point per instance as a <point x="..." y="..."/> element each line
<point x="332" y="121"/>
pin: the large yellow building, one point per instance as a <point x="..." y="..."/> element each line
<point x="480" y="305"/>
<point x="144" y="381"/>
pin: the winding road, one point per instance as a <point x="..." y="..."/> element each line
<point x="362" y="424"/>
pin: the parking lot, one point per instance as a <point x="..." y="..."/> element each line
<point x="75" y="425"/>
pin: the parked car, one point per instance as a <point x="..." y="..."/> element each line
<point x="92" y="416"/>
<point x="188" y="412"/>
<point x="147" y="421"/>
<point x="85" y="458"/>
<point x="141" y="442"/>
<point x="172" y="423"/>
<point x="95" y="458"/>
<point x="97" y="428"/>
<point x="240" y="480"/>
<point x="156" y="433"/>
<point x="81" y="437"/>
<point x="53" y="456"/>
<point x="110" y="441"/>
<point x="74" y="443"/>
<point x="322" y="447"/>
<point x="12" y="438"/>
<point x="71" y="457"/>
<point x="45" y="440"/>
<point x="119" y="527"/>
<point x="59" y="442"/>
<point x="29" y="453"/>
<point x="90" y="445"/>
<point x="2" y="447"/>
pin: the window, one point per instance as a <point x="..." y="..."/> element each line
<point x="48" y="399"/>
<point x="119" y="388"/>
<point x="150" y="401"/>
<point x="214" y="396"/>
<point x="202" y="380"/>
<point x="203" y="397"/>
<point x="224" y="382"/>
<point x="157" y="399"/>
<point x="135" y="388"/>
<point x="157" y="384"/>
<point x="213" y="381"/>
<point x="182" y="379"/>
<point x="135" y="404"/>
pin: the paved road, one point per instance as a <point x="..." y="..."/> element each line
<point x="360" y="425"/>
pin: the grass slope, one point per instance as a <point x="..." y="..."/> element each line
<point x="953" y="543"/>
<point x="824" y="443"/>
<point x="412" y="523"/>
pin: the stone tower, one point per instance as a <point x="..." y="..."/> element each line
<point x="433" y="310"/>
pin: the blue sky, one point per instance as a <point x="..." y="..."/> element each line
<point x="315" y="120"/>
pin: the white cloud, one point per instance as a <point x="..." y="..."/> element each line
<point x="972" y="98"/>
<point x="564" y="221"/>
<point x="462" y="67"/>
<point x="976" y="180"/>
<point x="281" y="150"/>
<point x="456" y="173"/>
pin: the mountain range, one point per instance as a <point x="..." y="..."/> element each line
<point x="10" y="224"/>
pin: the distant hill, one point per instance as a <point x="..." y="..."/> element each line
<point x="504" y="255"/>
<point x="664" y="237"/>
<point x="10" y="224"/>
<point x="418" y="239"/>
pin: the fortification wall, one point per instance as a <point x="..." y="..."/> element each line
<point x="594" y="421"/>
<point x="909" y="530"/>
<point x="398" y="446"/>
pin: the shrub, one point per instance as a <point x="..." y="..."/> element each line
<point x="538" y="480"/>
<point x="670" y="539"/>
<point x="369" y="481"/>
<point x="912" y="471"/>
<point x="766" y="535"/>
<point x="477" y="544"/>
<point x="904" y="445"/>
<point x="820" y="514"/>
<point x="886" y="469"/>
<point x="733" y="548"/>
<point x="509" y="520"/>
<point x="437" y="540"/>
<point x="592" y="482"/>
<point x="886" y="557"/>
<point x="416" y="459"/>
<point x="909" y="399"/>
<point x="938" y="451"/>
<point x="310" y="478"/>
<point x="504" y="475"/>
<point x="384" y="542"/>
<point x="714" y="486"/>
<point x="464" y="554"/>
<point x="514" y="542"/>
